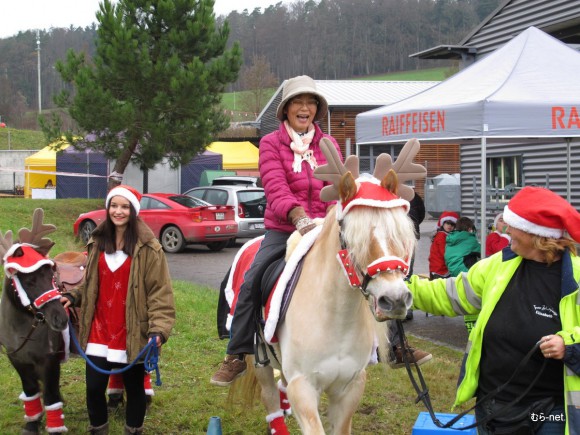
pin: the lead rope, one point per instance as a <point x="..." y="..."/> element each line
<point x="423" y="394"/>
<point x="150" y="361"/>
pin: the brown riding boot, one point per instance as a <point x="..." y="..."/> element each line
<point x="413" y="355"/>
<point x="231" y="369"/>
<point x="99" y="430"/>
<point x="133" y="430"/>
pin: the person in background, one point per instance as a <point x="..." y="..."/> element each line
<point x="526" y="297"/>
<point x="445" y="224"/>
<point x="498" y="239"/>
<point x="288" y="157"/>
<point x="49" y="184"/>
<point x="417" y="215"/>
<point x="462" y="250"/>
<point x="126" y="300"/>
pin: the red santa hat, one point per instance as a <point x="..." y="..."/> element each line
<point x="540" y="211"/>
<point x="447" y="216"/>
<point x="127" y="192"/>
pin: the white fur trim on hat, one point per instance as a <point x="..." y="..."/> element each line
<point x="518" y="222"/>
<point x="497" y="218"/>
<point x="125" y="193"/>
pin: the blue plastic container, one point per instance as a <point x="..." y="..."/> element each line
<point x="215" y="426"/>
<point x="424" y="425"/>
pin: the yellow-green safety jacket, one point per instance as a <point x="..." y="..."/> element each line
<point x="478" y="291"/>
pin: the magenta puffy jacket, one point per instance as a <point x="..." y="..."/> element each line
<point x="286" y="189"/>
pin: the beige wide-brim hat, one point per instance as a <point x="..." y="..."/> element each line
<point x="301" y="85"/>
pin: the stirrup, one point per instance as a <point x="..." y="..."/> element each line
<point x="260" y="351"/>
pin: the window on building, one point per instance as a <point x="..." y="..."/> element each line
<point x="504" y="172"/>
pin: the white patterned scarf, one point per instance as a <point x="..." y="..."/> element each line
<point x="301" y="146"/>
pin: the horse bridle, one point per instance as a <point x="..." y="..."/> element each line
<point x="387" y="263"/>
<point x="33" y="307"/>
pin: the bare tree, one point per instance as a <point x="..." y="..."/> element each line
<point x="257" y="79"/>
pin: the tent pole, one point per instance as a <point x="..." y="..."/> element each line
<point x="568" y="181"/>
<point x="482" y="227"/>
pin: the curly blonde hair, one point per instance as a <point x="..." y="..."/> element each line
<point x="553" y="248"/>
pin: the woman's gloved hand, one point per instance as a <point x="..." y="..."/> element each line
<point x="300" y="220"/>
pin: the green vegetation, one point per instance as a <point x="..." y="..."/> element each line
<point x="186" y="400"/>
<point x="21" y="139"/>
<point x="430" y="74"/>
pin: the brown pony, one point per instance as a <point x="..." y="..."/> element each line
<point x="329" y="334"/>
<point x="32" y="321"/>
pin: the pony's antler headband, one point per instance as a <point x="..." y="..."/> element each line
<point x="404" y="167"/>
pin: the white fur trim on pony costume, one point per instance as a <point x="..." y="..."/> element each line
<point x="229" y="290"/>
<point x="271" y="417"/>
<point x="31" y="260"/>
<point x="55" y="418"/>
<point x="28" y="400"/>
<point x="518" y="222"/>
<point x="371" y="194"/>
<point x="24" y="300"/>
<point x="300" y="251"/>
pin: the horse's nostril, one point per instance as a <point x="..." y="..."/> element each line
<point x="385" y="303"/>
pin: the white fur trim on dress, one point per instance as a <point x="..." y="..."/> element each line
<point x="303" y="247"/>
<point x="518" y="222"/>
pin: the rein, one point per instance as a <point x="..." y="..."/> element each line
<point x="150" y="362"/>
<point x="423" y="391"/>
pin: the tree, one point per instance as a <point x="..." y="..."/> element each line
<point x="153" y="88"/>
<point x="257" y="79"/>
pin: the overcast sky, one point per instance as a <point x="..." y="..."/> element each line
<point x="17" y="15"/>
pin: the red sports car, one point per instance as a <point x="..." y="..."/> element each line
<point x="176" y="220"/>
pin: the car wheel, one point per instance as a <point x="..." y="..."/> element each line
<point x="85" y="231"/>
<point x="217" y="246"/>
<point x="172" y="240"/>
<point x="231" y="243"/>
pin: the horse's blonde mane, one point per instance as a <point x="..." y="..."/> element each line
<point x="359" y="230"/>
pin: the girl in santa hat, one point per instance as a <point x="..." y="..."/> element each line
<point x="498" y="239"/>
<point x="126" y="300"/>
<point x="446" y="224"/>
<point x="527" y="299"/>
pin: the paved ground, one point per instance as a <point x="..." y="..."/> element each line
<point x="199" y="265"/>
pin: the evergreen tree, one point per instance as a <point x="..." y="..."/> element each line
<point x="153" y="88"/>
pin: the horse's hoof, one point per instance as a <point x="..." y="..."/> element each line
<point x="31" y="428"/>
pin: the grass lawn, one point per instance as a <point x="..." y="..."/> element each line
<point x="185" y="401"/>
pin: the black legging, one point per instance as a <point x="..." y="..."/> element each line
<point x="97" y="388"/>
<point x="243" y="327"/>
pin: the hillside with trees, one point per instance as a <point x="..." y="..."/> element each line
<point x="326" y="39"/>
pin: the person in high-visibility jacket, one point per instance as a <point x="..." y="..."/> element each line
<point x="525" y="294"/>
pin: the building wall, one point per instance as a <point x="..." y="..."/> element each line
<point x="12" y="159"/>
<point x="543" y="164"/>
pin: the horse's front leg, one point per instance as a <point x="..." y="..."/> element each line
<point x="304" y="399"/>
<point x="271" y="399"/>
<point x="343" y="404"/>
<point x="30" y="397"/>
<point x="53" y="402"/>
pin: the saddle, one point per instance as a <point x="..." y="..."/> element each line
<point x="70" y="268"/>
<point x="70" y="271"/>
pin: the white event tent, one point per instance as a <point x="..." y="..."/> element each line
<point x="526" y="90"/>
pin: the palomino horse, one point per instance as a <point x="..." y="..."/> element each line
<point x="32" y="320"/>
<point x="327" y="336"/>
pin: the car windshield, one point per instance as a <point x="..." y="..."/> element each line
<point x="188" y="201"/>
